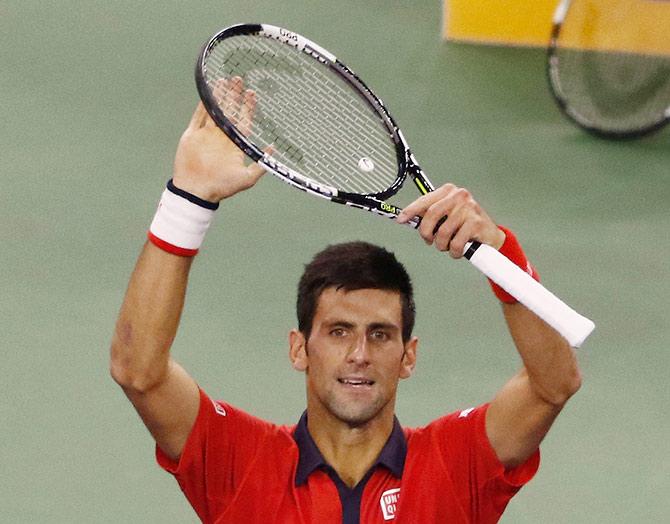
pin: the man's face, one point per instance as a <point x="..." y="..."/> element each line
<point x="355" y="354"/>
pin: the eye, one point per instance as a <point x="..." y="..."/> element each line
<point x="379" y="336"/>
<point x="337" y="332"/>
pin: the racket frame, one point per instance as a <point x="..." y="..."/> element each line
<point x="554" y="81"/>
<point x="574" y="327"/>
<point x="374" y="202"/>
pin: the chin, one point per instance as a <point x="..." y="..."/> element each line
<point x="357" y="416"/>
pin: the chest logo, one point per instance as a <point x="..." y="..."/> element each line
<point x="389" y="503"/>
<point x="219" y="408"/>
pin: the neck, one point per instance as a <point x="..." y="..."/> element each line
<point x="350" y="451"/>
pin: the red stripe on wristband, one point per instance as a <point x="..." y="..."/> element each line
<point x="166" y="246"/>
<point x="512" y="250"/>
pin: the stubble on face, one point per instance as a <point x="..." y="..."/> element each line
<point x="360" y="314"/>
<point x="354" y="412"/>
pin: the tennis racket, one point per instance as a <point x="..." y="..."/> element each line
<point x="609" y="65"/>
<point x="319" y="128"/>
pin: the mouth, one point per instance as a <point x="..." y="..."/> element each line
<point x="356" y="382"/>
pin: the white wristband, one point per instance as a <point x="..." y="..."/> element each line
<point x="181" y="222"/>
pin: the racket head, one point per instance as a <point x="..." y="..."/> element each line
<point x="328" y="133"/>
<point x="616" y="88"/>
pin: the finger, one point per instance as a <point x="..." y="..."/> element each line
<point x="439" y="213"/>
<point x="247" y="110"/>
<point x="220" y="89"/>
<point x="445" y="233"/>
<point x="416" y="208"/>
<point x="464" y="234"/>
<point x="421" y="204"/>
<point x="220" y="92"/>
<point x="254" y="172"/>
<point x="232" y="99"/>
<point x="434" y="217"/>
<point x="198" y="118"/>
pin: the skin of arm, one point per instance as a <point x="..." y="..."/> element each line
<point x="163" y="394"/>
<point x="523" y="411"/>
<point x="211" y="167"/>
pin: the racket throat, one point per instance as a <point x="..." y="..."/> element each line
<point x="421" y="186"/>
<point x="420" y="181"/>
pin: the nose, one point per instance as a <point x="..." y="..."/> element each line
<point x="360" y="352"/>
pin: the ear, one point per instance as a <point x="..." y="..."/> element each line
<point x="297" y="350"/>
<point x="409" y="358"/>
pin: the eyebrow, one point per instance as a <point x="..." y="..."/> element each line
<point x="371" y="327"/>
<point x="383" y="325"/>
<point x="340" y="323"/>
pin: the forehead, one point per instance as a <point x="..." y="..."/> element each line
<point x="359" y="306"/>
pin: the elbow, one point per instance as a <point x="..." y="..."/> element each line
<point x="121" y="369"/>
<point x="576" y="383"/>
<point x="131" y="379"/>
<point x="119" y="374"/>
<point x="120" y="363"/>
<point x="568" y="387"/>
<point x="572" y="386"/>
<point x="130" y="373"/>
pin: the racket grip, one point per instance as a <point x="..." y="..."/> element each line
<point x="574" y="327"/>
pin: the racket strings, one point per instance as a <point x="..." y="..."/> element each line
<point x="316" y="123"/>
<point x="610" y="66"/>
<point x="617" y="90"/>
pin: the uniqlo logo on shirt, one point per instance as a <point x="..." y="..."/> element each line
<point x="389" y="502"/>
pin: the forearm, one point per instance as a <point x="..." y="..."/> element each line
<point x="522" y="412"/>
<point x="149" y="318"/>
<point x="549" y="361"/>
<point x="208" y="168"/>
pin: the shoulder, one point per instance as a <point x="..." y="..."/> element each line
<point x="451" y="436"/>
<point x="229" y="418"/>
<point x="461" y="421"/>
<point x="222" y="431"/>
<point x="460" y="441"/>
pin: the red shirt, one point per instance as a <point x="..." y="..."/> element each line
<point x="236" y="468"/>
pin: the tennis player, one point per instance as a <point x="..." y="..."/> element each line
<point x="348" y="459"/>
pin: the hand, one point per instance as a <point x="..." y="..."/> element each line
<point x="208" y="164"/>
<point x="466" y="220"/>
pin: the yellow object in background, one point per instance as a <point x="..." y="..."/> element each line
<point x="507" y="22"/>
<point x="641" y="26"/>
<point x="590" y="24"/>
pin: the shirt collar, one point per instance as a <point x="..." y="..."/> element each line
<point x="392" y="455"/>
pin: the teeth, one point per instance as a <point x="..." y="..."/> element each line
<point x="356" y="382"/>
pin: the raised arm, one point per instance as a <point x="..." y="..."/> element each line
<point x="210" y="168"/>
<point x="522" y="412"/>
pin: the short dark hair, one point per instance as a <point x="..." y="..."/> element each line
<point x="351" y="266"/>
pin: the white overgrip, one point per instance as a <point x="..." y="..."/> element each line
<point x="574" y="327"/>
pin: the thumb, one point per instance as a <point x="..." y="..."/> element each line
<point x="255" y="171"/>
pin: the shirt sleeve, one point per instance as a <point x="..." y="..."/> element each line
<point x="218" y="452"/>
<point x="485" y="485"/>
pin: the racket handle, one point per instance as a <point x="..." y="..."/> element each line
<point x="574" y="327"/>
